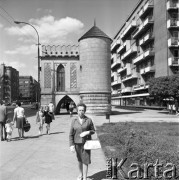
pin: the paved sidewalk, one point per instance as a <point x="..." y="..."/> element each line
<point x="48" y="157"/>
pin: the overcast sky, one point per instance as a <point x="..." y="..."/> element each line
<point x="57" y="22"/>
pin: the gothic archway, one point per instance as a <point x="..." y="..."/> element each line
<point x="61" y="78"/>
<point x="61" y="106"/>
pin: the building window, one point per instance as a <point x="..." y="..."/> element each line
<point x="60" y="78"/>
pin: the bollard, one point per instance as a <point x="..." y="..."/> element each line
<point x="108" y="117"/>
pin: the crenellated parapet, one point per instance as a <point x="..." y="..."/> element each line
<point x="60" y="51"/>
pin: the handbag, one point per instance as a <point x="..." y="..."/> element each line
<point x="27" y="126"/>
<point x="92" y="145"/>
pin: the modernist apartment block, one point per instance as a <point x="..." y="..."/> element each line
<point x="146" y="46"/>
<point x="28" y="89"/>
<point x="9" y="84"/>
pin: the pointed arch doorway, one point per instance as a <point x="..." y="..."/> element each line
<point x="62" y="105"/>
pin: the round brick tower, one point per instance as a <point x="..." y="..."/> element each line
<point x="95" y="71"/>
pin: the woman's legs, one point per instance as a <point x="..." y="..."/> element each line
<point x="48" y="128"/>
<point x="85" y="171"/>
<point x="80" y="167"/>
<point x="21" y="132"/>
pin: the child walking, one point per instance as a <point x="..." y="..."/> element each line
<point x="9" y="128"/>
<point x="40" y="120"/>
<point x="48" y="119"/>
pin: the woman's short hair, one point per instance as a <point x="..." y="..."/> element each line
<point x="18" y="103"/>
<point x="81" y="104"/>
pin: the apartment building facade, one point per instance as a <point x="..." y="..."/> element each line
<point x="146" y="46"/>
<point x="28" y="89"/>
<point x="9" y="84"/>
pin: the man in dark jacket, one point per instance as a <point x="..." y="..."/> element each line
<point x="3" y="117"/>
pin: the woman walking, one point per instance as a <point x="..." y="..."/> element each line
<point x="19" y="117"/>
<point x="48" y="119"/>
<point x="40" y="119"/>
<point x="81" y="130"/>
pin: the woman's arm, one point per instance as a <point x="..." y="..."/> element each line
<point x="71" y="135"/>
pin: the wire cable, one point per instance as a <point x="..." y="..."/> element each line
<point x="12" y="23"/>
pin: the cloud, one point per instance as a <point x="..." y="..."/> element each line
<point x="49" y="28"/>
<point x="1" y="25"/>
<point x="15" y="64"/>
<point x="23" y="50"/>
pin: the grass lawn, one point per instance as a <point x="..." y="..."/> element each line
<point x="141" y="142"/>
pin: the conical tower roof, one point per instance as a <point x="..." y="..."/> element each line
<point x="94" y="32"/>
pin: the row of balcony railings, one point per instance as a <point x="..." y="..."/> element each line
<point x="146" y="8"/>
<point x="173" y="23"/>
<point x="130" y="27"/>
<point x="116" y="82"/>
<point x="147" y="69"/>
<point x="173" y="61"/>
<point x="172" y="5"/>
<point x="115" y="45"/>
<point x="132" y="50"/>
<point x="147" y="53"/>
<point x="173" y="42"/>
<point x="146" y="38"/>
<point x="143" y="27"/>
<point x="130" y="89"/>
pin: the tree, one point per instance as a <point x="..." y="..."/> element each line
<point x="165" y="87"/>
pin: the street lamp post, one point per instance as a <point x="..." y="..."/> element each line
<point x="18" y="22"/>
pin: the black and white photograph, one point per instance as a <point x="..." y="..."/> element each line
<point x="89" y="89"/>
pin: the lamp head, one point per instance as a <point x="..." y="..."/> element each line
<point x="17" y="22"/>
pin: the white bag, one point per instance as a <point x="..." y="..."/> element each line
<point x="92" y="144"/>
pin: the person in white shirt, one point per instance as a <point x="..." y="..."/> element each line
<point x="9" y="128"/>
<point x="19" y="118"/>
<point x="51" y="110"/>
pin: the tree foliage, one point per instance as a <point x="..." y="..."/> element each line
<point x="165" y="86"/>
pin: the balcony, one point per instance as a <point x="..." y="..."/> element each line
<point x="132" y="76"/>
<point x="173" y="42"/>
<point x="173" y="23"/>
<point x="126" y="90"/>
<point x="121" y="70"/>
<point x="129" y="52"/>
<point x="145" y="55"/>
<point x="140" y="87"/>
<point x="146" y="9"/>
<point x="172" y="5"/>
<point x="115" y="45"/>
<point x="146" y="39"/>
<point x="173" y="61"/>
<point x="121" y="48"/>
<point x="149" y="53"/>
<point x="117" y="82"/>
<point x="116" y="64"/>
<point x="149" y="69"/>
<point x="143" y="27"/>
<point x="142" y="71"/>
<point x="128" y="30"/>
<point x="114" y="57"/>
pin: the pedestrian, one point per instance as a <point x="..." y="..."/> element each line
<point x="48" y="119"/>
<point x="81" y="130"/>
<point x="9" y="128"/>
<point x="67" y="107"/>
<point x="71" y="107"/>
<point x="3" y="117"/>
<point x="51" y="110"/>
<point x="40" y="119"/>
<point x="19" y="118"/>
